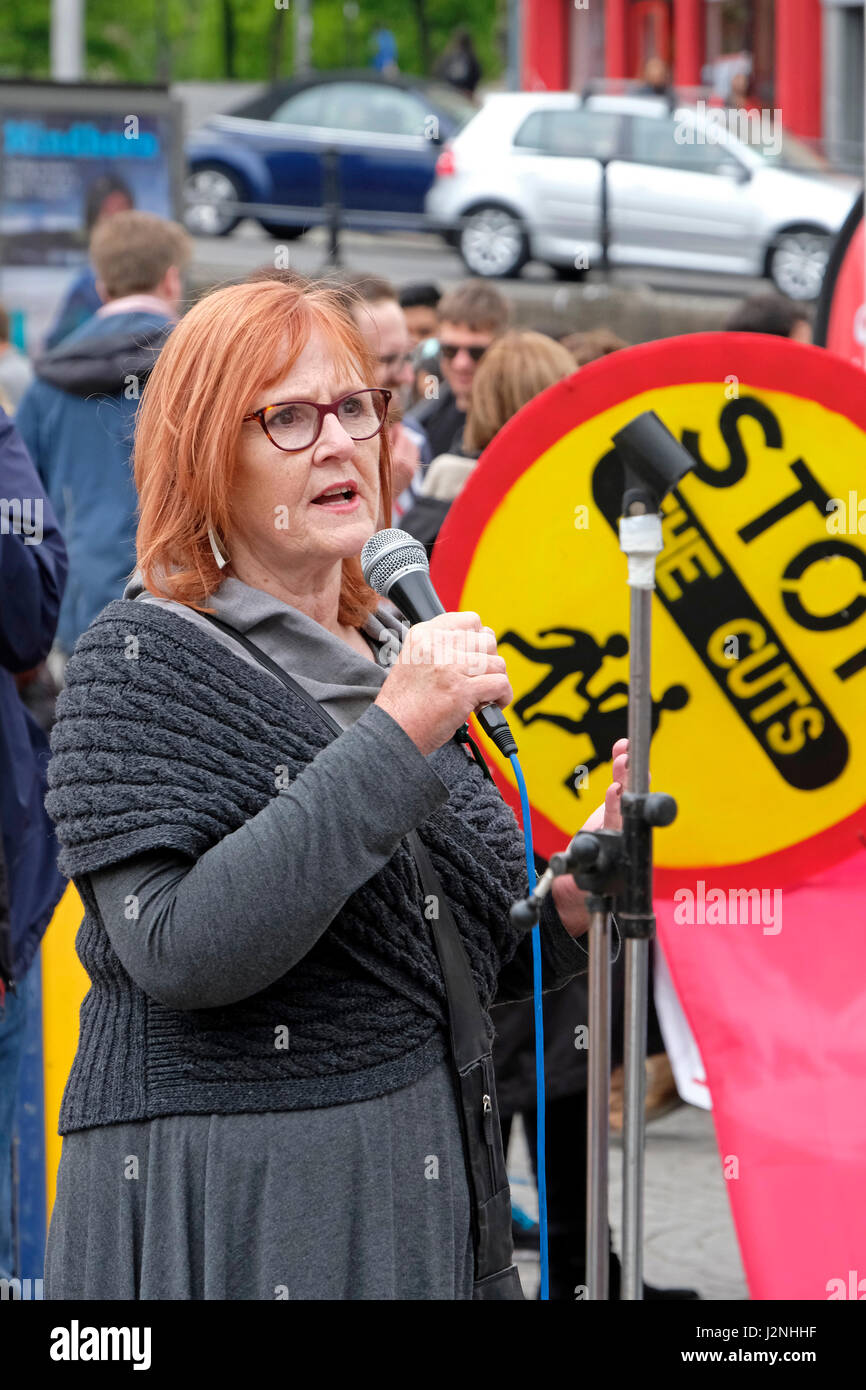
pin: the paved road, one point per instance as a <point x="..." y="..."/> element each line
<point x="404" y="257"/>
<point x="689" y="1233"/>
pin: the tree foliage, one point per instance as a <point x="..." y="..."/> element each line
<point x="250" y="40"/>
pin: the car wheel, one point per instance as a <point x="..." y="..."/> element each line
<point x="797" y="262"/>
<point x="281" y="233"/>
<point x="493" y="242"/>
<point x="208" y="191"/>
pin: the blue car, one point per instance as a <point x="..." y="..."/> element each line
<point x="274" y="153"/>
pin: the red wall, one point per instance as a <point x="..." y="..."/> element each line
<point x="688" y="42"/>
<point x="616" y="38"/>
<point x="798" y="66"/>
<point x="546" y="45"/>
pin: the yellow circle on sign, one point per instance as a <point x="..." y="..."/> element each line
<point x="741" y="702"/>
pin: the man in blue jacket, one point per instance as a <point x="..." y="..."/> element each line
<point x="77" y="418"/>
<point x="32" y="577"/>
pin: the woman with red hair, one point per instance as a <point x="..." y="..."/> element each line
<point x="262" y="1104"/>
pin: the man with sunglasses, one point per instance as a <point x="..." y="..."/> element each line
<point x="470" y="317"/>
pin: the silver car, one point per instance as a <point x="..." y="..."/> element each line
<point x="523" y="181"/>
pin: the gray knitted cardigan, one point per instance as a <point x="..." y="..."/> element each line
<point x="166" y="739"/>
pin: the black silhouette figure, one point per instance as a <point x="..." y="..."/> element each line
<point x="582" y="654"/>
<point x="602" y="726"/>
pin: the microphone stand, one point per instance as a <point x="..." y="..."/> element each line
<point x="598" y="1100"/>
<point x="640" y="535"/>
<point x="614" y="868"/>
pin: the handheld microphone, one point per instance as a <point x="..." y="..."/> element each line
<point x="395" y="564"/>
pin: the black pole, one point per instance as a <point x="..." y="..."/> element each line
<point x="604" y="224"/>
<point x="333" y="204"/>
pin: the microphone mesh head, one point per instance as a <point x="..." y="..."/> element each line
<point x="389" y="553"/>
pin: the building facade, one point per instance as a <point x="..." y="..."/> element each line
<point x="802" y="57"/>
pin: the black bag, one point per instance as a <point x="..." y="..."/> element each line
<point x="496" y="1275"/>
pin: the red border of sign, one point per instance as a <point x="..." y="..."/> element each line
<point x="768" y="363"/>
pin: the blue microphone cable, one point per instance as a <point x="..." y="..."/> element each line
<point x="526" y="817"/>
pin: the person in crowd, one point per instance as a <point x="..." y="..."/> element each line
<point x="105" y="196"/>
<point x="375" y="306"/>
<point x="265" y="1029"/>
<point x="741" y="96"/>
<point x="32" y="576"/>
<point x="16" y="372"/>
<point x="656" y="79"/>
<point x="774" y="314"/>
<point x="594" y="343"/>
<point x="470" y="317"/>
<point x="512" y="372"/>
<point x="384" y="58"/>
<point x="77" y="417"/>
<point x="420" y="305"/>
<point x="459" y="65"/>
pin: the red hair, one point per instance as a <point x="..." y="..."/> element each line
<point x="231" y="346"/>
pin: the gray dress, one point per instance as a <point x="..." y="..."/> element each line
<point x="367" y="1200"/>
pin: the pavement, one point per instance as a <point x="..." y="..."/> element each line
<point x="689" y="1238"/>
<point x="416" y="255"/>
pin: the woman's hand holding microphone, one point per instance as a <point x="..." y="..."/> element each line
<point x="447" y="668"/>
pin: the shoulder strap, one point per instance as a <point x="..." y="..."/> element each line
<point x="467" y="1030"/>
<point x="469" y="1040"/>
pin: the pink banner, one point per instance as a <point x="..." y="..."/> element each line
<point x="774" y="992"/>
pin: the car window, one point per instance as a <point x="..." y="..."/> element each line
<point x="390" y="111"/>
<point x="369" y="106"/>
<point x="665" y="141"/>
<point x="304" y="108"/>
<point x="375" y="107"/>
<point x="578" y="134"/>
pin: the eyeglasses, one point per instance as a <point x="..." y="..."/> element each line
<point x="450" y="350"/>
<point x="295" y="425"/>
